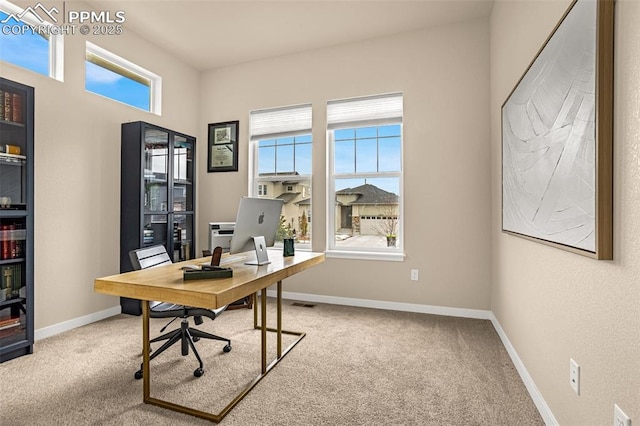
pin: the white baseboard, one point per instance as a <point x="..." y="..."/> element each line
<point x="535" y="394"/>
<point x="391" y="306"/>
<point x="76" y="322"/>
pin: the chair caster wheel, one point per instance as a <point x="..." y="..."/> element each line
<point x="227" y="348"/>
<point x="198" y="372"/>
<point x="138" y="375"/>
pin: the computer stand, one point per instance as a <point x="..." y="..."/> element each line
<point x="262" y="257"/>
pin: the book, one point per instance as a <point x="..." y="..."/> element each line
<point x="12" y="322"/>
<point x="6" y="102"/>
<point x="9" y="321"/>
<point x="12" y="149"/>
<point x="16" y="108"/>
<point x="5" y="246"/>
<point x="6" y="279"/>
<point x="1" y="109"/>
<point x="17" y="281"/>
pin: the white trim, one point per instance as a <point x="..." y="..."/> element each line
<point x="365" y="255"/>
<point x="61" y="327"/>
<point x="390" y="306"/>
<point x="533" y="390"/>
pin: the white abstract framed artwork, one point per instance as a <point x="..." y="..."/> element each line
<point x="557" y="137"/>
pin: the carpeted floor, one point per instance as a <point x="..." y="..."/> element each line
<point x="356" y="366"/>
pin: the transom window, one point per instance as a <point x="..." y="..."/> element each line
<point x="111" y="76"/>
<point x="38" y="50"/>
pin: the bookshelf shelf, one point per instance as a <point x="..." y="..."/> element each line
<point x="16" y="219"/>
<point x="12" y="123"/>
<point x="157" y="198"/>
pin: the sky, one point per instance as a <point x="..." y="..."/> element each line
<point x="31" y="51"/>
<point x="365" y="150"/>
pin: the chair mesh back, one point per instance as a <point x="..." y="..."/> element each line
<point x="149" y="257"/>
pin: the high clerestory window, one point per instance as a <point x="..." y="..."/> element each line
<point x="365" y="204"/>
<point x="109" y="75"/>
<point x="281" y="146"/>
<point x="28" y="39"/>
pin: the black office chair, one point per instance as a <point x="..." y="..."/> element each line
<point x="150" y="257"/>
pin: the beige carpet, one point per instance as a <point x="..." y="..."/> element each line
<point x="356" y="366"/>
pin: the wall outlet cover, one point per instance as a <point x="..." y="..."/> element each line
<point x="574" y="376"/>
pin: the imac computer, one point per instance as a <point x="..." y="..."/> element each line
<point x="256" y="227"/>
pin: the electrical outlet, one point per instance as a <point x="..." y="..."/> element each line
<point x="619" y="417"/>
<point x="574" y="376"/>
<point x="414" y="275"/>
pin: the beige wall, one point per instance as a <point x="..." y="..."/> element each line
<point x="444" y="74"/>
<point x="77" y="171"/>
<point x="554" y="305"/>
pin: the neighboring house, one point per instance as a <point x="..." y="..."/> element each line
<point x="367" y="210"/>
<point x="295" y="191"/>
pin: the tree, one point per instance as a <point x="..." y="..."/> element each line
<point x="388" y="223"/>
<point x="304" y="226"/>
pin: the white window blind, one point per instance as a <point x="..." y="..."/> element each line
<point x="280" y="122"/>
<point x="364" y="111"/>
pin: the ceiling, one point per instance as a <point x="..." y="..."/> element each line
<point x="216" y="33"/>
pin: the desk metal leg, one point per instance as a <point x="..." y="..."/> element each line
<point x="265" y="368"/>
<point x="279" y="324"/>
<point x="146" y="376"/>
<point x="263" y="328"/>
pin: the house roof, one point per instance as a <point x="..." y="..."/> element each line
<point x="369" y="194"/>
<point x="305" y="202"/>
<point x="288" y="196"/>
<point x="283" y="174"/>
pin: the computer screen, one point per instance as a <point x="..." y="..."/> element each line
<point x="257" y="217"/>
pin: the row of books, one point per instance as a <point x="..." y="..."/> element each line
<point x="11" y="281"/>
<point x="11" y="107"/>
<point x="12" y="238"/>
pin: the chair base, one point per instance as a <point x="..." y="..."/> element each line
<point x="187" y="336"/>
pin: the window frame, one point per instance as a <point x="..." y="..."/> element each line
<point x="363" y="253"/>
<point x="282" y="132"/>
<point x="55" y="41"/>
<point x="112" y="62"/>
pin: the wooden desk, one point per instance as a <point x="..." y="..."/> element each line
<point x="165" y="283"/>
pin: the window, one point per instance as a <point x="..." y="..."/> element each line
<point x="116" y="78"/>
<point x="281" y="166"/>
<point x="365" y="177"/>
<point x="40" y="50"/>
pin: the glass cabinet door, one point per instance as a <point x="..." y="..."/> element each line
<point x="156" y="170"/>
<point x="182" y="174"/>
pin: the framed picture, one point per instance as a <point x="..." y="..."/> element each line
<point x="223" y="147"/>
<point x="557" y="137"/>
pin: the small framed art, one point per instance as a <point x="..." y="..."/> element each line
<point x="223" y="147"/>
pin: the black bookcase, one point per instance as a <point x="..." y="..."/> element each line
<point x="157" y="201"/>
<point x="16" y="219"/>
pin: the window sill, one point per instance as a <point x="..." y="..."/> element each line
<point x="365" y="255"/>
